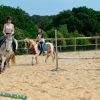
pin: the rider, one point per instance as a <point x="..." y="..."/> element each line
<point x="41" y="40"/>
<point x="8" y="30"/>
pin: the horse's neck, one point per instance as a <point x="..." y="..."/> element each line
<point x="33" y="42"/>
<point x="3" y="46"/>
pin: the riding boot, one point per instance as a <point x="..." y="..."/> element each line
<point x="40" y="53"/>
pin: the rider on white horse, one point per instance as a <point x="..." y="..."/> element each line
<point x="7" y="43"/>
<point x="41" y="41"/>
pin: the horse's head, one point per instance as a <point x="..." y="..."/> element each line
<point x="26" y="41"/>
<point x="29" y="43"/>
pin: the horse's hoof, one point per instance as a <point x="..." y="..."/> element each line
<point x="8" y="66"/>
<point x="32" y="64"/>
<point x="36" y="63"/>
<point x="45" y="61"/>
<point x="3" y="69"/>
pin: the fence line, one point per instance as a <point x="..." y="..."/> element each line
<point x="68" y="58"/>
<point x="75" y="39"/>
<point x="72" y="38"/>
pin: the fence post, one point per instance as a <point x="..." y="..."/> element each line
<point x="56" y="49"/>
<point x="74" y="44"/>
<point x="60" y="48"/>
<point x="96" y="43"/>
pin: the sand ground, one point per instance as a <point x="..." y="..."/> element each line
<point x="80" y="79"/>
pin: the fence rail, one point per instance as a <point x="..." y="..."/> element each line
<point x="95" y="45"/>
<point x="73" y="38"/>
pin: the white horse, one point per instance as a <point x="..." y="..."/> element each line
<point x="8" y="50"/>
<point x="29" y="43"/>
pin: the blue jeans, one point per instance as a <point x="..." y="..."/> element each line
<point x="43" y="46"/>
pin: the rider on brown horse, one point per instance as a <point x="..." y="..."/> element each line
<point x="41" y="41"/>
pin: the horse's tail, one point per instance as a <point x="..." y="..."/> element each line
<point x="52" y="50"/>
<point x="13" y="59"/>
<point x="54" y="53"/>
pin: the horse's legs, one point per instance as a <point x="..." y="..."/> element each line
<point x="6" y="63"/>
<point x="0" y="63"/>
<point x="53" y="56"/>
<point x="8" y="60"/>
<point x="47" y="58"/>
<point x="4" y="67"/>
<point x="36" y="59"/>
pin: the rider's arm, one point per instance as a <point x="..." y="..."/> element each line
<point x="12" y="30"/>
<point x="37" y="38"/>
<point x="4" y="28"/>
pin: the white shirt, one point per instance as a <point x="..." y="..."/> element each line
<point x="40" y="39"/>
<point x="8" y="28"/>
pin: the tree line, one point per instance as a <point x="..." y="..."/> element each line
<point x="85" y="20"/>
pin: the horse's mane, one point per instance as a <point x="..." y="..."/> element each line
<point x="31" y="41"/>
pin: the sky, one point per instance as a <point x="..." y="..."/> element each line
<point x="50" y="7"/>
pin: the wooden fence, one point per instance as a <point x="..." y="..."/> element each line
<point x="95" y="42"/>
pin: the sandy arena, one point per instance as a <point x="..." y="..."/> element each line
<point x="79" y="81"/>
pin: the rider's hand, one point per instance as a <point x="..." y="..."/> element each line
<point x="4" y="34"/>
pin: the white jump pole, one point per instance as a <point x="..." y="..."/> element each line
<point x="56" y="44"/>
<point x="56" y="50"/>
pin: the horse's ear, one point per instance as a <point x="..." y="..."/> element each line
<point x="26" y="40"/>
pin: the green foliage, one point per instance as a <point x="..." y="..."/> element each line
<point x="85" y="20"/>
<point x="21" y="34"/>
<point x="63" y="31"/>
<point x="43" y="21"/>
<point x="51" y="33"/>
<point x="82" y="19"/>
<point x="80" y="41"/>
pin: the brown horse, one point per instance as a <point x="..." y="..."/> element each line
<point x="29" y="43"/>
